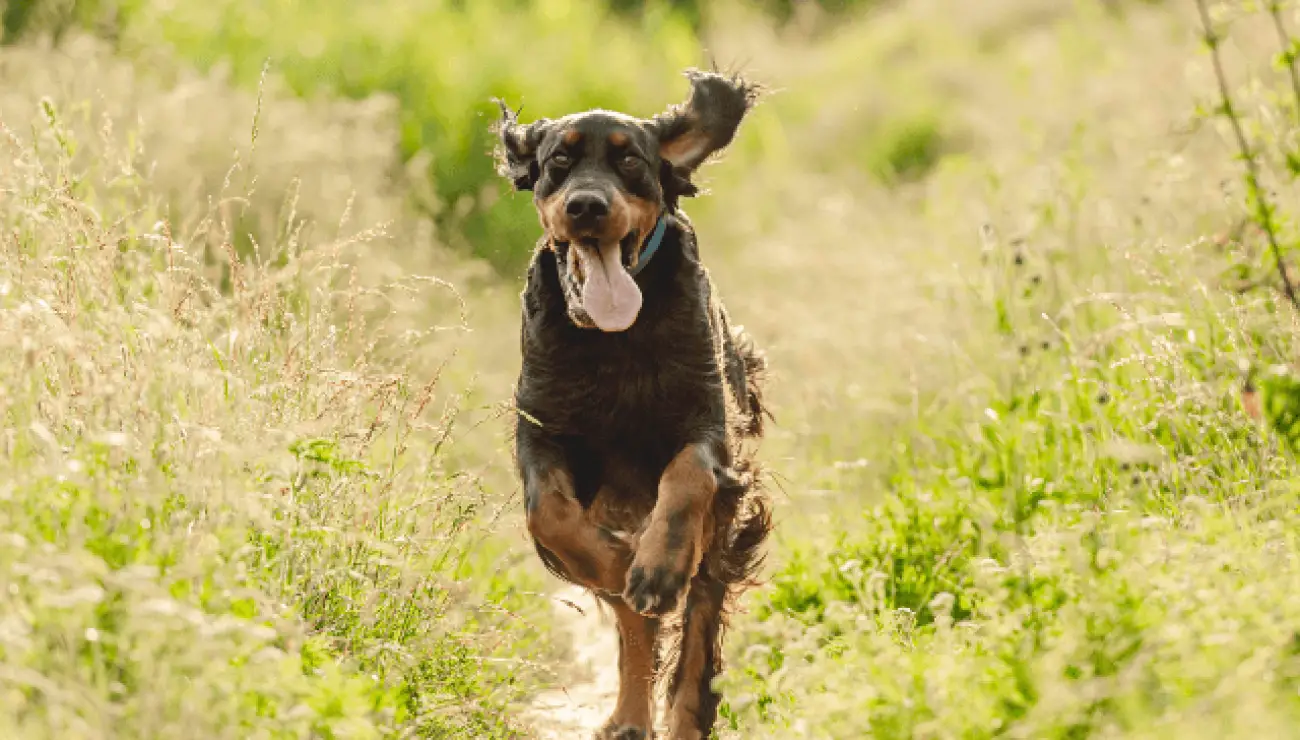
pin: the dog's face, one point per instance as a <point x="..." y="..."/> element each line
<point x="601" y="181"/>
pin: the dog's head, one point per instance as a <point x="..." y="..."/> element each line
<point x="602" y="180"/>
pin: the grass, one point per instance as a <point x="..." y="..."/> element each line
<point x="1053" y="535"/>
<point x="1034" y="391"/>
<point x="225" y="507"/>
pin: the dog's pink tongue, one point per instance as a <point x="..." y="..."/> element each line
<point x="609" y="294"/>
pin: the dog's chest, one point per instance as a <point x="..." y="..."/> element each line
<point x="653" y="385"/>
<point x="619" y="389"/>
<point x="656" y="382"/>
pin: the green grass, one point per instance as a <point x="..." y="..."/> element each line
<point x="1079" y="530"/>
<point x="1069" y="550"/>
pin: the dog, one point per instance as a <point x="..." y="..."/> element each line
<point x="636" y="399"/>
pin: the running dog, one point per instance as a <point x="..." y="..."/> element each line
<point x="636" y="398"/>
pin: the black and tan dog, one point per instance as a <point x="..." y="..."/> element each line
<point x="635" y="396"/>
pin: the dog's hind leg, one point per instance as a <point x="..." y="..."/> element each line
<point x="692" y="702"/>
<point x="638" y="636"/>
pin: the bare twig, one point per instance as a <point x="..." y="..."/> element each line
<point x="1256" y="197"/>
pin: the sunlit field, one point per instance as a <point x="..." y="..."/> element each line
<point x="1033" y="364"/>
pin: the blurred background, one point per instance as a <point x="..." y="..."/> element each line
<point x="1026" y="315"/>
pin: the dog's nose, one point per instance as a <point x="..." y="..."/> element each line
<point x="586" y="209"/>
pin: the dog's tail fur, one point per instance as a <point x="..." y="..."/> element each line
<point x="743" y="519"/>
<point x="754" y="365"/>
<point x="746" y="372"/>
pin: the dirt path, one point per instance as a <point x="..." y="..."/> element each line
<point x="585" y="696"/>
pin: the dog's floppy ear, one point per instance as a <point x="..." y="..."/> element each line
<point x="516" y="153"/>
<point x="707" y="122"/>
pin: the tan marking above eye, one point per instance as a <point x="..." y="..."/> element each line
<point x="572" y="136"/>
<point x="618" y="138"/>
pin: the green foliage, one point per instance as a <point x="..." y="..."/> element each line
<point x="781" y="10"/>
<point x="29" y="17"/>
<point x="444" y="62"/>
<point x="906" y="149"/>
<point x="1280" y="389"/>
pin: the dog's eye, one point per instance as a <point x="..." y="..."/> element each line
<point x="561" y="160"/>
<point x="629" y="161"/>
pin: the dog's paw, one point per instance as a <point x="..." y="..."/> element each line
<point x="661" y="570"/>
<point x="616" y="731"/>
<point x="655" y="593"/>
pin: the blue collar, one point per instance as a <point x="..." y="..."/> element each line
<point x="651" y="244"/>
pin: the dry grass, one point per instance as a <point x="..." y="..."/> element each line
<point x="225" y="507"/>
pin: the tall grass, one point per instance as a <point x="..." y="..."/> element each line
<point x="225" y="511"/>
<point x="1088" y="532"/>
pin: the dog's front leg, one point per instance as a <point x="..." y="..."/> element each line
<point x="588" y="554"/>
<point x="675" y="538"/>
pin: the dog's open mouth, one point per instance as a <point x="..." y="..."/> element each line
<point x="598" y="278"/>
